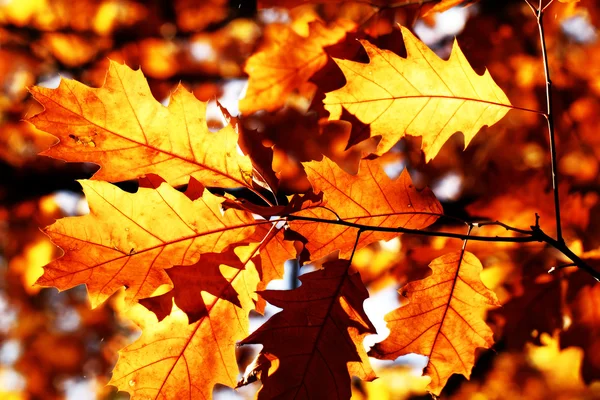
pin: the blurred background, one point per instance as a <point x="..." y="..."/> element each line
<point x="53" y="346"/>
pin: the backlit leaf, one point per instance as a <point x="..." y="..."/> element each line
<point x="421" y="95"/>
<point x="130" y="239"/>
<point x="129" y="133"/>
<point x="176" y="360"/>
<point x="442" y="319"/>
<point x="370" y="198"/>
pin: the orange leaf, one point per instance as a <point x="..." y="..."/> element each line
<point x="421" y="95"/>
<point x="275" y="71"/>
<point x="442" y="320"/>
<point x="317" y="338"/>
<point x="369" y="198"/>
<point x="130" y="239"/>
<point x="124" y="129"/>
<point x="174" y="360"/>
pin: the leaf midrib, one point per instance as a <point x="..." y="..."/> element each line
<point x="146" y="145"/>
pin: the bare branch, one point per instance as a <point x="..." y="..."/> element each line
<point x="550" y="118"/>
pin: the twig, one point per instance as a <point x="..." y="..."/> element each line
<point x="562" y="247"/>
<point x="550" y="119"/>
<point x="533" y="9"/>
<point x="521" y="239"/>
<point x="535" y="235"/>
<point x="557" y="268"/>
<point x="547" y="5"/>
<point x="498" y="223"/>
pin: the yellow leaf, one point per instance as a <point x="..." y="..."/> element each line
<point x="124" y="129"/>
<point x="130" y="239"/>
<point x="421" y="95"/>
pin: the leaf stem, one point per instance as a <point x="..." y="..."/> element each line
<point x="550" y="119"/>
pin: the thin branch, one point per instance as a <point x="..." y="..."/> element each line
<point x="522" y="239"/>
<point x="531" y="6"/>
<point x="498" y="223"/>
<point x="562" y="247"/>
<point x="331" y="211"/>
<point x="547" y="5"/>
<point x="550" y="118"/>
<point x="535" y="235"/>
<point x="559" y="267"/>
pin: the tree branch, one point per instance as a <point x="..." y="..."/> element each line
<point x="534" y="235"/>
<point x="550" y="119"/>
<point x="521" y="239"/>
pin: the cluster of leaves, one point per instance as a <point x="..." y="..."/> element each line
<point x="218" y="208"/>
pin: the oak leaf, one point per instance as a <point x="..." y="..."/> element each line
<point x="442" y="319"/>
<point x="421" y="95"/>
<point x="130" y="239"/>
<point x="275" y="71"/>
<point x="174" y="359"/>
<point x="317" y="338"/>
<point x="121" y="127"/>
<point x="369" y="198"/>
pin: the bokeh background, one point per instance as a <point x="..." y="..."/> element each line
<point x="53" y="346"/>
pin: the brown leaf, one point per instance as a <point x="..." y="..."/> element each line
<point x="325" y="321"/>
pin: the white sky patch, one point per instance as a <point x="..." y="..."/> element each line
<point x="71" y="203"/>
<point x="376" y="307"/>
<point x="10" y="352"/>
<point x="232" y="92"/>
<point x="8" y="315"/>
<point x="201" y="50"/>
<point x="274" y="16"/>
<point x="11" y="380"/>
<point x="67" y="320"/>
<point x="448" y="187"/>
<point x="448" y="23"/>
<point x="52" y="81"/>
<point x="80" y="389"/>
<point x="579" y="29"/>
<point x="394" y="169"/>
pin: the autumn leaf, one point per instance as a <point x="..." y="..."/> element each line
<point x="421" y="95"/>
<point x="275" y="72"/>
<point x="121" y="127"/>
<point x="370" y="198"/>
<point x="442" y="319"/>
<point x="267" y="250"/>
<point x="317" y="338"/>
<point x="173" y="359"/>
<point x="130" y="239"/>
